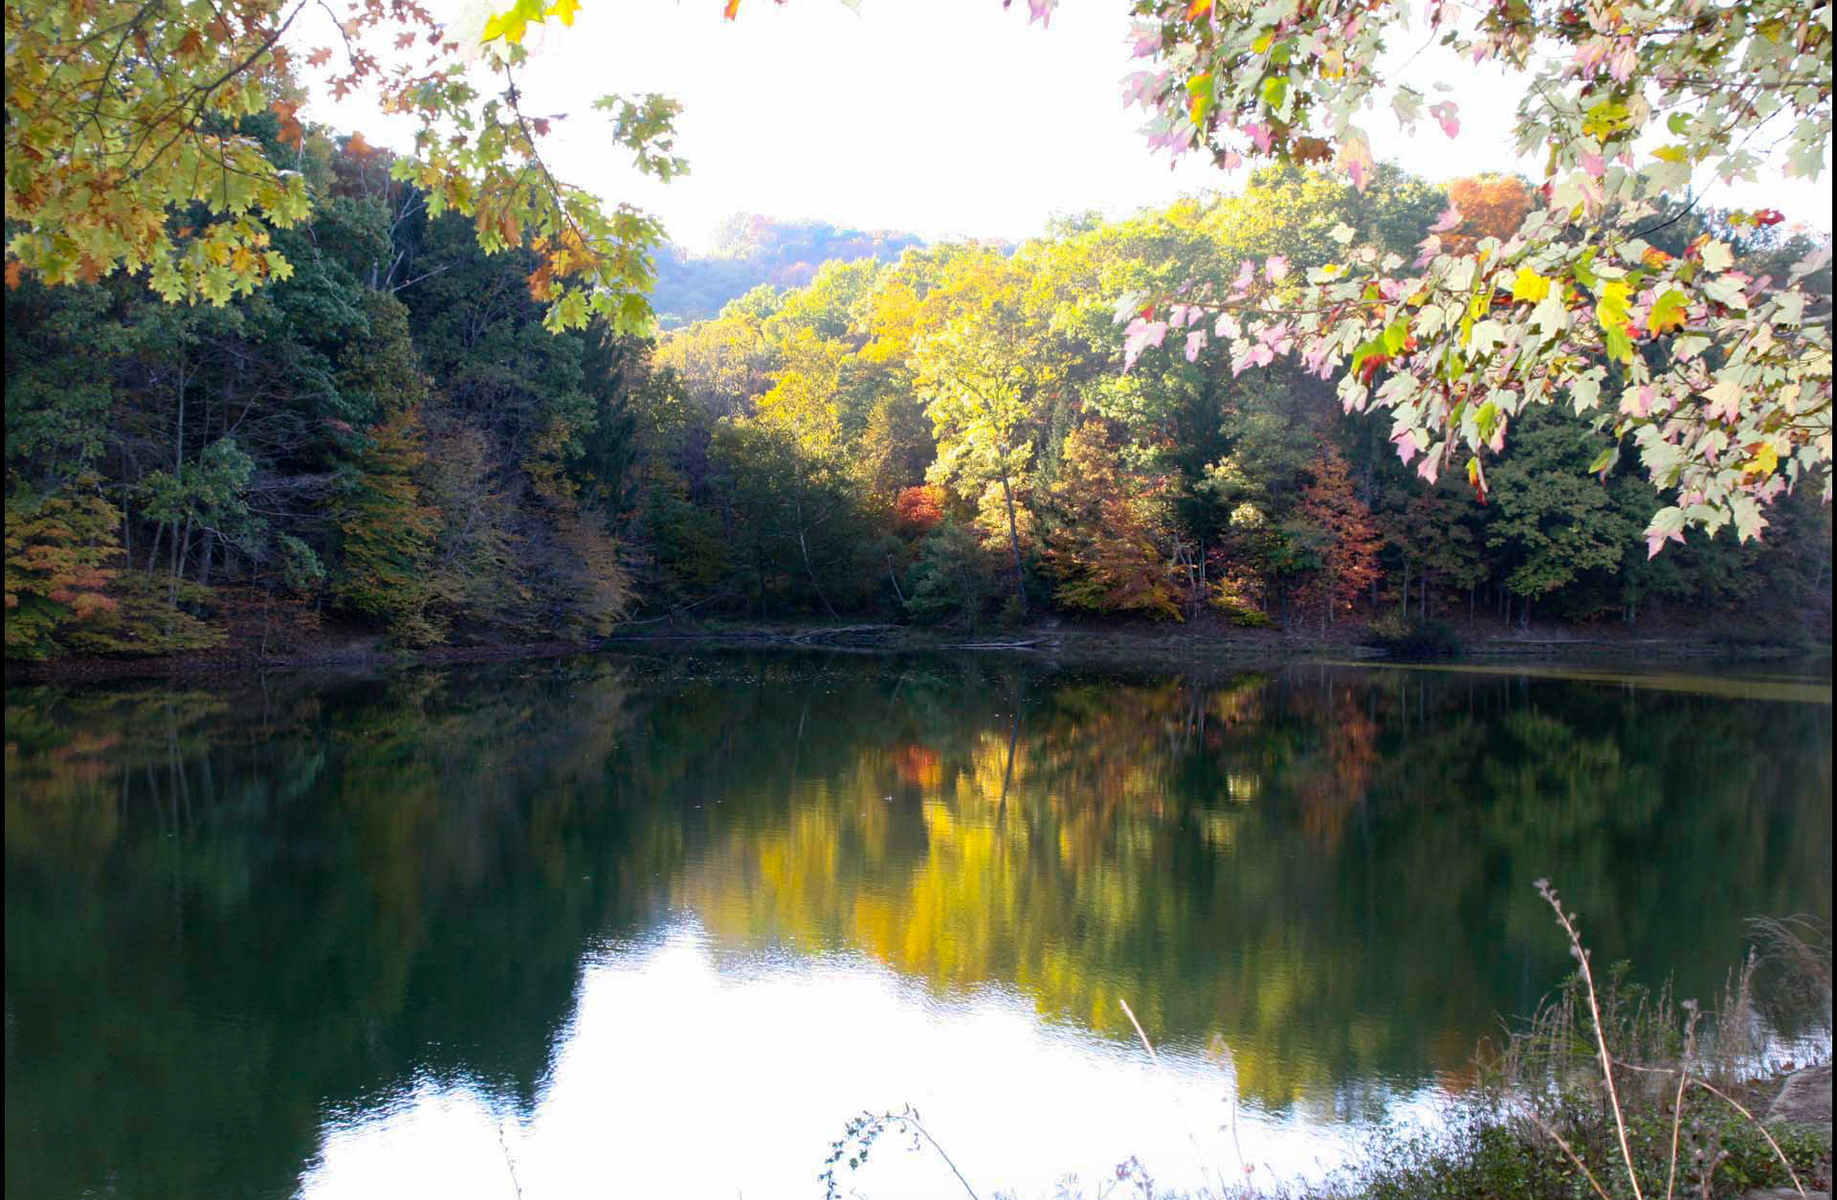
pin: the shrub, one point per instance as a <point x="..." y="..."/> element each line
<point x="1412" y="637"/>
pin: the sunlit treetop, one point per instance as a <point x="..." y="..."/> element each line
<point x="1719" y="381"/>
<point x="130" y="145"/>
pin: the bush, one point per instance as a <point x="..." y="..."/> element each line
<point x="1404" y="637"/>
<point x="953" y="577"/>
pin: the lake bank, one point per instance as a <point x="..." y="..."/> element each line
<point x="1205" y="644"/>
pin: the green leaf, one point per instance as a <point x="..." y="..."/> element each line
<point x="1667" y="311"/>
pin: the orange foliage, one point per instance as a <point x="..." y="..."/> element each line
<point x="1493" y="206"/>
<point x="917" y="511"/>
<point x="1349" y="553"/>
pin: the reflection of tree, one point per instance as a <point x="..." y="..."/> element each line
<point x="226" y="912"/>
<point x="275" y="905"/>
<point x="1321" y="866"/>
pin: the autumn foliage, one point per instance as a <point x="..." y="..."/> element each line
<point x="917" y="510"/>
<point x="1348" y="541"/>
<point x="1107" y="548"/>
<point x="1491" y="205"/>
<point x="59" y="556"/>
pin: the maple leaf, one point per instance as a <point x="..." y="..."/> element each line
<point x="319" y="57"/>
<point x="1667" y="312"/>
<point x="1311" y="149"/>
<point x="563" y="10"/>
<point x="404" y="40"/>
<point x="1529" y="287"/>
<point x="15" y="270"/>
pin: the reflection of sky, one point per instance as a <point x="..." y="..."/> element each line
<point x="690" y="1073"/>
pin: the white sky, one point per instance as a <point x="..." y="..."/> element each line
<point x="941" y="117"/>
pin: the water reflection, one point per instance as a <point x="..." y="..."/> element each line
<point x="332" y="934"/>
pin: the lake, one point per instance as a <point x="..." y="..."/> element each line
<point x="661" y="925"/>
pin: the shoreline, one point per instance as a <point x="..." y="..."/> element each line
<point x="1160" y="647"/>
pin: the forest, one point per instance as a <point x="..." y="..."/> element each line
<point x="391" y="441"/>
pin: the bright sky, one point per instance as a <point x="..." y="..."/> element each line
<point x="941" y="117"/>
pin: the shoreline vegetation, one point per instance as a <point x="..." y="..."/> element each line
<point x="1608" y="1090"/>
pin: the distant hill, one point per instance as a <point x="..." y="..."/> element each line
<point x="751" y="250"/>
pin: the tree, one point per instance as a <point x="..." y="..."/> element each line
<point x="1345" y="536"/>
<point x="387" y="532"/>
<point x="58" y="555"/>
<point x="1491" y="206"/>
<point x="1554" y="523"/>
<point x="1722" y="384"/>
<point x="144" y="136"/>
<point x="1108" y="546"/>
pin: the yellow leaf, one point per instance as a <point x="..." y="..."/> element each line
<point x="563" y="9"/>
<point x="1530" y="286"/>
<point x="1765" y="460"/>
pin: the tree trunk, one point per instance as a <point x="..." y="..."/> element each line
<point x="159" y="531"/>
<point x="804" y="546"/>
<point x="1014" y="542"/>
<point x="1203" y="583"/>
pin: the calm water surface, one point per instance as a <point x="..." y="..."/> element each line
<point x="659" y="926"/>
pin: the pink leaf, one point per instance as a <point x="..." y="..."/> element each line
<point x="1195" y="342"/>
<point x="1450" y="219"/>
<point x="1595" y="165"/>
<point x="1655" y="541"/>
<point x="1406" y="446"/>
<point x="1430" y="467"/>
<point x="1358" y="169"/>
<point x="1259" y="134"/>
<point x="1246" y="275"/>
<point x="1275" y="268"/>
<point x="1639" y="401"/>
<point x="1227" y="326"/>
<point x="1041" y="11"/>
<point x="1140" y="334"/>
<point x="1445" y="112"/>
